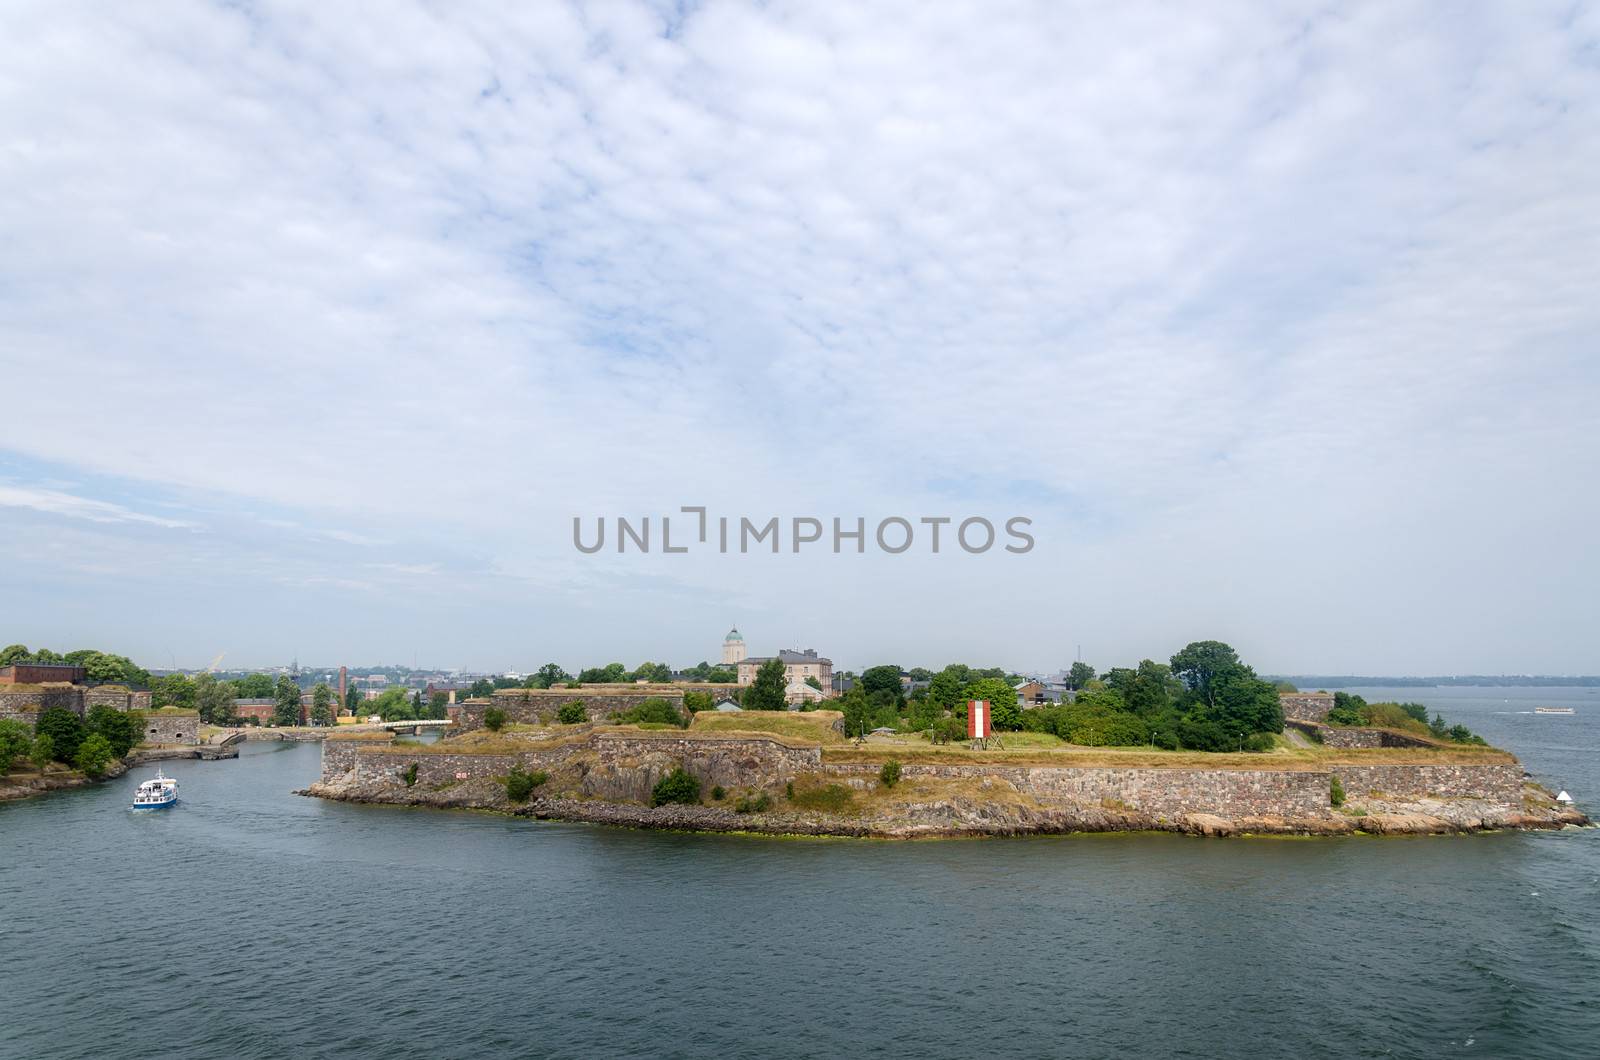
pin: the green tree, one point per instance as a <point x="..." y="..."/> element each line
<point x="550" y="675"/>
<point x="439" y="705"/>
<point x="766" y="692"/>
<point x="652" y="671"/>
<point x="1079" y="676"/>
<point x="15" y="742"/>
<point x="1146" y="691"/>
<point x="1002" y="699"/>
<point x="920" y="673"/>
<point x="256" y="686"/>
<point x="123" y="730"/>
<point x="889" y="775"/>
<point x="1200" y="663"/>
<point x="572" y="712"/>
<point x="879" y="682"/>
<point x="946" y="686"/>
<point x="172" y="690"/>
<point x="12" y="654"/>
<point x="286" y="711"/>
<point x="814" y="683"/>
<point x="213" y="699"/>
<point x="94" y="755"/>
<point x="322" y="704"/>
<point x="652" y="711"/>
<point x="352" y="700"/>
<point x="395" y="705"/>
<point x="43" y="752"/>
<point x="65" y="730"/>
<point x="694" y="701"/>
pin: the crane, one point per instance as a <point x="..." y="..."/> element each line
<point x="215" y="662"/>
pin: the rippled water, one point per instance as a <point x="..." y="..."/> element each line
<point x="251" y="923"/>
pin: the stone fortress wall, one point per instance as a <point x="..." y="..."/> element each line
<point x="25" y="703"/>
<point x="531" y="706"/>
<point x="1305" y="706"/>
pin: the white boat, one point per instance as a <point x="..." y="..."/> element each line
<point x="1554" y="710"/>
<point x="156" y="794"/>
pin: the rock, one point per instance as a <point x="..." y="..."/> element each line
<point x="1207" y="824"/>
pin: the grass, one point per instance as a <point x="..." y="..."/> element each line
<point x="168" y="712"/>
<point x="815" y="726"/>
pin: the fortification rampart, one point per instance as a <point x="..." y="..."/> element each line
<point x="1493" y="782"/>
<point x="1354" y="738"/>
<point x="1306" y="706"/>
<point x="533" y="706"/>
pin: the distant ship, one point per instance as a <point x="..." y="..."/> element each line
<point x="1554" y="710"/>
<point x="156" y="794"/>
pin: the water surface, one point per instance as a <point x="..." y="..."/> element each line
<point x="248" y="922"/>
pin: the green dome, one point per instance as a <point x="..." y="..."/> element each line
<point x="733" y="634"/>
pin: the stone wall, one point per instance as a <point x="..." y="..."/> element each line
<point x="168" y="729"/>
<point x="1347" y="737"/>
<point x="531" y="705"/>
<point x="1496" y="782"/>
<point x="752" y="761"/>
<point x="1306" y="706"/>
<point x="368" y="760"/>
<point x="115" y="697"/>
<point x="1161" y="792"/>
<point x="25" y="706"/>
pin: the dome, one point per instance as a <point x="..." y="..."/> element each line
<point x="733" y="634"/>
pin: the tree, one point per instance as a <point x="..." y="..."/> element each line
<point x="172" y="690"/>
<point x="572" y="712"/>
<point x="213" y="699"/>
<point x="65" y="730"/>
<point x="1199" y="664"/>
<point x="1146" y="691"/>
<point x="352" y="700"/>
<point x="287" y="709"/>
<point x="814" y="683"/>
<point x="1079" y="676"/>
<point x="920" y="673"/>
<point x="494" y="719"/>
<point x="660" y="673"/>
<point x="439" y="705"/>
<point x="12" y="654"/>
<point x="766" y="692"/>
<point x="695" y="701"/>
<point x="15" y="742"/>
<point x="122" y="730"/>
<point x="944" y="690"/>
<point x="879" y="681"/>
<point x="652" y="711"/>
<point x="43" y="752"/>
<point x="549" y="675"/>
<point x="1002" y="699"/>
<point x="395" y="705"/>
<point x="322" y="704"/>
<point x="256" y="686"/>
<point x="889" y="775"/>
<point x="94" y="755"/>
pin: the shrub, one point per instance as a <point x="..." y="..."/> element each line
<point x="718" y="793"/>
<point x="788" y="790"/>
<point x="520" y="784"/>
<point x="890" y="773"/>
<point x="572" y="712"/>
<point x="94" y="754"/>
<point x="65" y="730"/>
<point x="1165" y="739"/>
<point x="753" y="803"/>
<point x="15" y="741"/>
<point x="655" y="710"/>
<point x="1259" y="742"/>
<point x="1336" y="792"/>
<point x="493" y="719"/>
<point x="44" y="751"/>
<point x="677" y="786"/>
<point x="409" y="775"/>
<point x="830" y="798"/>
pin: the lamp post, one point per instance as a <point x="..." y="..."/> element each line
<point x="1240" y="735"/>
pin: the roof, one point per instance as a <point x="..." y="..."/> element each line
<point x="733" y="634"/>
<point x="790" y="656"/>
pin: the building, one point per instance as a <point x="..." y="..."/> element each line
<point x="41" y="674"/>
<point x="1041" y="692"/>
<point x="799" y="692"/>
<point x="797" y="666"/>
<point x="256" y="710"/>
<point x="733" y="649"/>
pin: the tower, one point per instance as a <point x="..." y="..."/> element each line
<point x="733" y="650"/>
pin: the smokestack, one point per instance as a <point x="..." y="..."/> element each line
<point x="343" y="679"/>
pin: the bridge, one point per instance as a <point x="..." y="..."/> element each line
<point x="424" y="723"/>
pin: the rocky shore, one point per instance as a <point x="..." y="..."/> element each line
<point x="956" y="815"/>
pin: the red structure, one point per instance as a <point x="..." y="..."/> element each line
<point x="344" y="676"/>
<point x="40" y="674"/>
<point x="977" y="719"/>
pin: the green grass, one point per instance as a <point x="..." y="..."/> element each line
<point x="830" y="798"/>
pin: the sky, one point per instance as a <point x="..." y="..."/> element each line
<point x="321" y="323"/>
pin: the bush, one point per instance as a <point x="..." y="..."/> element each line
<point x="830" y="798"/>
<point x="122" y="729"/>
<point x="718" y="793"/>
<point x="94" y="754"/>
<point x="493" y="719"/>
<point x="1336" y="792"/>
<point x="890" y="773"/>
<point x="788" y="790"/>
<point x="753" y="803"/>
<point x="677" y="786"/>
<point x="572" y="712"/>
<point x="655" y="710"/>
<point x="520" y="784"/>
<point x="1165" y="739"/>
<point x="1258" y="742"/>
<point x="409" y="775"/>
<point x="44" y="751"/>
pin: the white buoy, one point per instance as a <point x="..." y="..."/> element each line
<point x="1563" y="797"/>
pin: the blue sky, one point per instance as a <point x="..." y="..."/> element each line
<point x="318" y="329"/>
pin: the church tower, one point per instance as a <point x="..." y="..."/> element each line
<point x="733" y="650"/>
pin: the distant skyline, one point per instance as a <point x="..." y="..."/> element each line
<point x="318" y="330"/>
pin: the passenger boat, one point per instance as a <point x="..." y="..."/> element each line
<point x="1554" y="710"/>
<point x="156" y="794"/>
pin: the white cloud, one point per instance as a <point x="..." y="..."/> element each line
<point x="459" y="275"/>
<point x="55" y="502"/>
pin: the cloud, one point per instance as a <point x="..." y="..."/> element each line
<point x="1301" y="293"/>
<point x="56" y="502"/>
